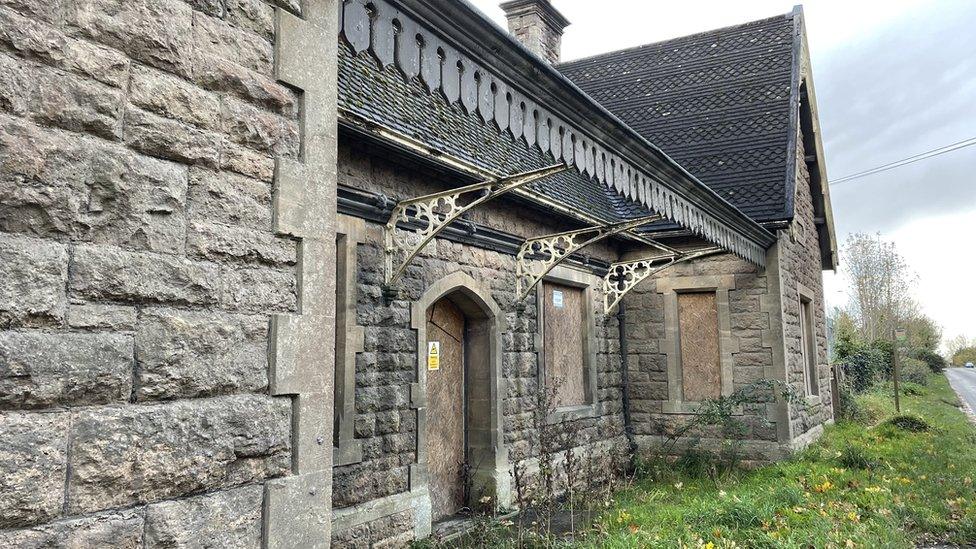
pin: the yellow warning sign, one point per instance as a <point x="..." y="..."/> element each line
<point x="433" y="355"/>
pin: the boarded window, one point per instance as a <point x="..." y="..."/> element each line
<point x="701" y="370"/>
<point x="808" y="347"/>
<point x="563" y="317"/>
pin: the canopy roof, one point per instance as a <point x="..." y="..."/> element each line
<point x="441" y="79"/>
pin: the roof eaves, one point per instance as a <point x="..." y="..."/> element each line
<point x="675" y="190"/>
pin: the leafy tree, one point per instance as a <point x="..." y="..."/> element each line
<point x="934" y="360"/>
<point x="922" y="333"/>
<point x="962" y="356"/>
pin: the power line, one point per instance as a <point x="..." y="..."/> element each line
<point x="908" y="160"/>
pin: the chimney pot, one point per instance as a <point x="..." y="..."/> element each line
<point x="537" y="25"/>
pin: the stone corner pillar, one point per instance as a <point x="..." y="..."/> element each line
<point x="298" y="508"/>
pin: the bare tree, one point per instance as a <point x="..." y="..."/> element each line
<point x="880" y="283"/>
<point x="959" y="343"/>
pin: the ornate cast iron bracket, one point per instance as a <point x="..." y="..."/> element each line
<point x="434" y="212"/>
<point x="538" y="256"/>
<point x="623" y="276"/>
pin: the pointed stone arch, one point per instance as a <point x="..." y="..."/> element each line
<point x="485" y="440"/>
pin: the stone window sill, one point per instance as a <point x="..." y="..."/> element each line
<point x="571" y="413"/>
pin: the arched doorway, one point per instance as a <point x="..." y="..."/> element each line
<point x="459" y="445"/>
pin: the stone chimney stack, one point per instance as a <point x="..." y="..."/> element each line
<point x="537" y="25"/>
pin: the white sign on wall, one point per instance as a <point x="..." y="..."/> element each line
<point x="557" y="299"/>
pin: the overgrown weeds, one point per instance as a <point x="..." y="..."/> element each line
<point x="864" y="484"/>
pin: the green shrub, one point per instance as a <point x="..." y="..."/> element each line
<point x="934" y="360"/>
<point x="907" y="422"/>
<point x="914" y="370"/>
<point x="863" y="368"/>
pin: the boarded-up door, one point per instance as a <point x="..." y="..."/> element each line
<point x="563" y="346"/>
<point x="701" y="373"/>
<point x="445" y="410"/>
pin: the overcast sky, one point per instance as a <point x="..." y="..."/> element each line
<point x="893" y="78"/>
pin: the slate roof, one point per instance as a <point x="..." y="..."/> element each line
<point x="374" y="94"/>
<point x="717" y="102"/>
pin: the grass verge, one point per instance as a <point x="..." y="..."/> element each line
<point x="880" y="482"/>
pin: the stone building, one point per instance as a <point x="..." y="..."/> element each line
<point x="285" y="273"/>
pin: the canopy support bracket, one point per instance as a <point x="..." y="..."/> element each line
<point x="624" y="276"/>
<point x="537" y="256"/>
<point x="434" y="212"/>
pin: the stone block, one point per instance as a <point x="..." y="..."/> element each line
<point x="29" y="38"/>
<point x="166" y="95"/>
<point x="45" y="10"/>
<point x="216" y="38"/>
<point x="367" y="481"/>
<point x="211" y="241"/>
<point x="117" y="529"/>
<point x="155" y="32"/>
<point x="17" y="85"/>
<point x="78" y="104"/>
<point x="213" y="8"/>
<point x="45" y="370"/>
<point x="32" y="467"/>
<point x="228" y="198"/>
<point x="248" y="162"/>
<point x="252" y="15"/>
<point x="231" y="518"/>
<point x="749" y="321"/>
<point x="258" y="289"/>
<point x="378" y="399"/>
<point x="172" y="140"/>
<point x="221" y="75"/>
<point x="94" y="316"/>
<point x="753" y="359"/>
<point x="54" y="186"/>
<point x="32" y="281"/>
<point x="102" y="272"/>
<point x="141" y="454"/>
<point x="260" y="130"/>
<point x="184" y="354"/>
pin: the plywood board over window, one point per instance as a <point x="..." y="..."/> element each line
<point x="808" y="346"/>
<point x="564" y="333"/>
<point x="701" y="370"/>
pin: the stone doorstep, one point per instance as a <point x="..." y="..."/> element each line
<point x="452" y="528"/>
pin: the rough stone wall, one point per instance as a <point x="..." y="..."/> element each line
<point x="385" y="422"/>
<point x="800" y="264"/>
<point x="752" y="355"/>
<point x="138" y="271"/>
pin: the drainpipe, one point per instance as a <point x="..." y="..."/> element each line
<point x="625" y="384"/>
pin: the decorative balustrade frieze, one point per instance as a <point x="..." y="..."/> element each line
<point x="394" y="39"/>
